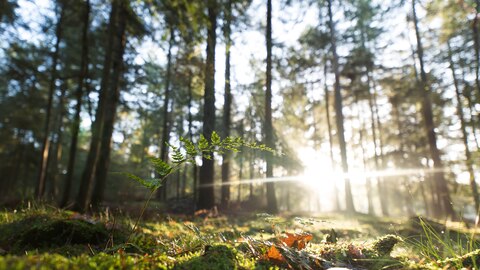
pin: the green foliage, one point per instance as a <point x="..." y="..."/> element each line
<point x="187" y="151"/>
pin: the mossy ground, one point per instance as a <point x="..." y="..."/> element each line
<point x="48" y="238"/>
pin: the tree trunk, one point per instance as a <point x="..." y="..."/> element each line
<point x="53" y="172"/>
<point x="111" y="106"/>
<point x="330" y="137"/>
<point x="78" y="107"/>
<point x="339" y="113"/>
<point x="439" y="176"/>
<point x="476" y="45"/>
<point x="190" y="133"/>
<point x="42" y="175"/>
<point x="206" y="196"/>
<point x="271" y="198"/>
<point x="362" y="130"/>
<point x="162" y="191"/>
<point x="81" y="202"/>
<point x="468" y="155"/>
<point x="226" y="157"/>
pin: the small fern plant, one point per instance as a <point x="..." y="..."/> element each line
<point x="186" y="152"/>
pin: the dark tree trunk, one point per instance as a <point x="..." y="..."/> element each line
<point x="439" y="176"/>
<point x="111" y="106"/>
<point x="78" y="107"/>
<point x="271" y="198"/>
<point x="339" y="113"/>
<point x="162" y="191"/>
<point x="42" y="175"/>
<point x="476" y="45"/>
<point x="53" y="172"/>
<point x="81" y="202"/>
<point x="226" y="157"/>
<point x="206" y="196"/>
<point x="468" y="154"/>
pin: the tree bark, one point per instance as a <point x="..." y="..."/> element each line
<point x="468" y="154"/>
<point x="78" y="107"/>
<point x="111" y="106"/>
<point x="476" y="45"/>
<point x="42" y="175"/>
<point x="81" y="202"/>
<point x="206" y="196"/>
<point x="339" y="113"/>
<point x="162" y="191"/>
<point x="226" y="157"/>
<point x="271" y="198"/>
<point x="439" y="176"/>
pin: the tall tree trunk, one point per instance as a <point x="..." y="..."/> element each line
<point x="330" y="136"/>
<point x="162" y="191"/>
<point x="271" y="198"/>
<point x="206" y="196"/>
<point x="362" y="131"/>
<point x="81" y="202"/>
<point x="439" y="176"/>
<point x="190" y="133"/>
<point x="78" y="107"/>
<point x="111" y="106"/>
<point x="476" y="45"/>
<point x="339" y="113"/>
<point x="468" y="155"/>
<point x="226" y="157"/>
<point x="57" y="143"/>
<point x="42" y="174"/>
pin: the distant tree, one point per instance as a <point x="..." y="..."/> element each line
<point x="339" y="111"/>
<point x="445" y="207"/>
<point x="42" y="175"/>
<point x="206" y="195"/>
<point x="268" y="128"/>
<point x="79" y="93"/>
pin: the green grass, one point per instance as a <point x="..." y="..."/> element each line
<point x="43" y="237"/>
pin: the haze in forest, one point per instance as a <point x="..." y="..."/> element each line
<point x="370" y="106"/>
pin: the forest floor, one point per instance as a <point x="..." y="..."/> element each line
<point x="44" y="237"/>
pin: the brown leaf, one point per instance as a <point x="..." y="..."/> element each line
<point x="274" y="255"/>
<point x="296" y="240"/>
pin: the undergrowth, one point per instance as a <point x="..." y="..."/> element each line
<point x="43" y="237"/>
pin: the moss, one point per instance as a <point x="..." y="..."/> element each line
<point x="217" y="257"/>
<point x="60" y="235"/>
<point x="385" y="244"/>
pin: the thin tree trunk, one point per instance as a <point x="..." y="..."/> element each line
<point x="111" y="107"/>
<point x="206" y="196"/>
<point x="57" y="149"/>
<point x="190" y="133"/>
<point x="476" y="45"/>
<point x="226" y="157"/>
<point x="42" y="175"/>
<point x="439" y="175"/>
<point x="271" y="198"/>
<point x="468" y="155"/>
<point x="362" y="130"/>
<point x="339" y="113"/>
<point x="81" y="202"/>
<point x="161" y="193"/>
<point x="330" y="137"/>
<point x="78" y="107"/>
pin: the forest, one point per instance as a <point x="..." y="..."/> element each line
<point x="239" y="134"/>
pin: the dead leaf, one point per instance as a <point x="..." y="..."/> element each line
<point x="274" y="255"/>
<point x="296" y="240"/>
